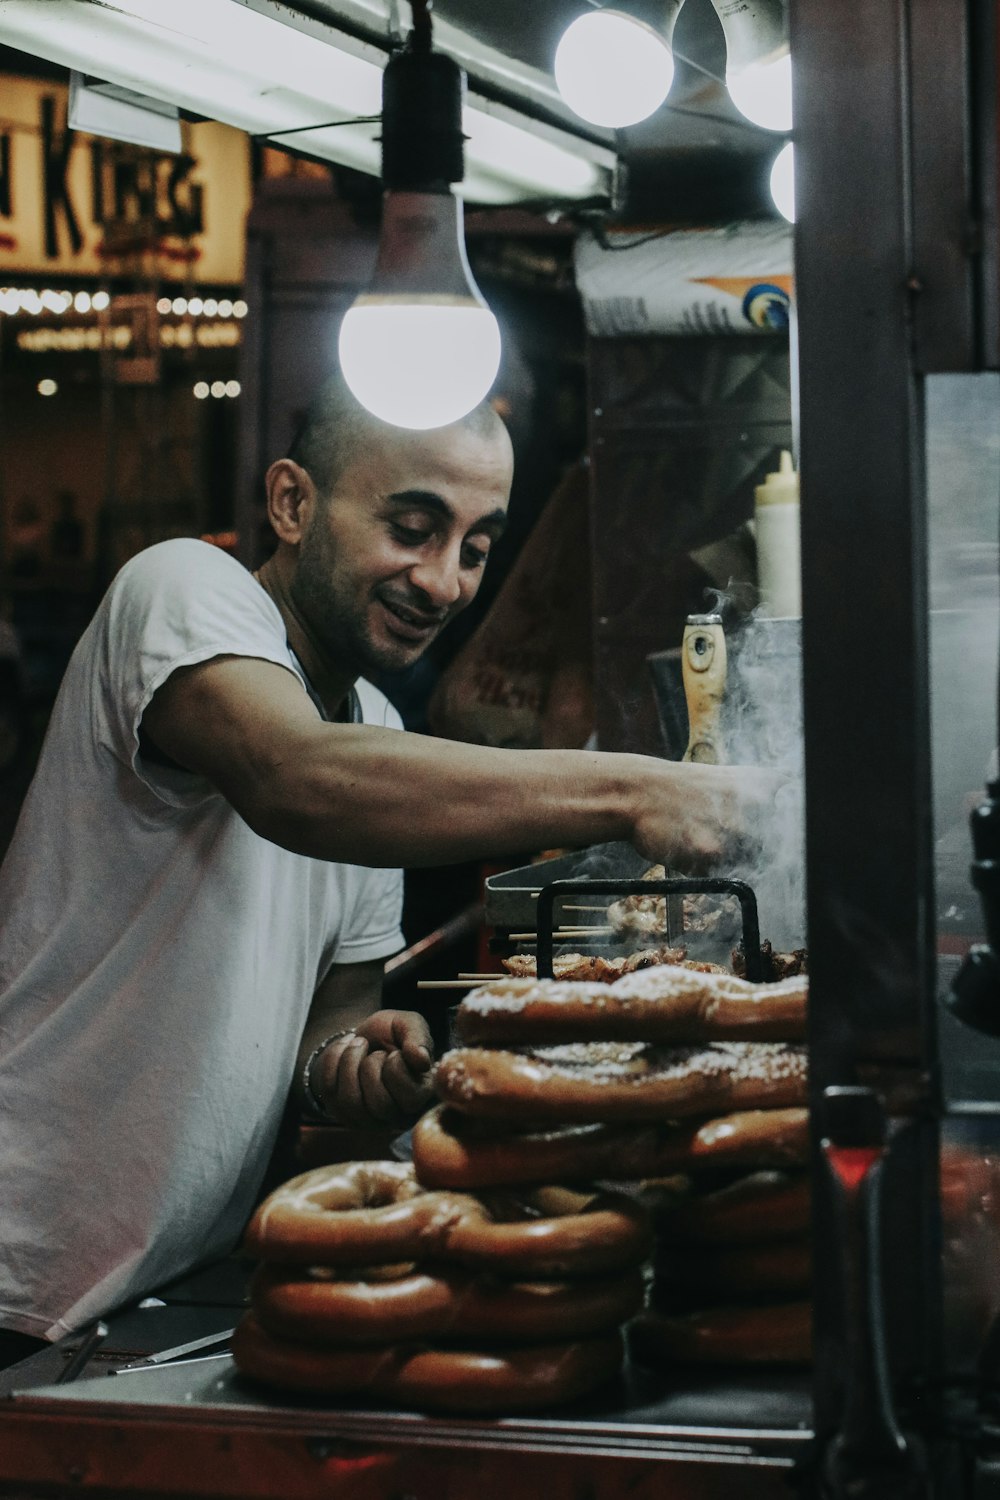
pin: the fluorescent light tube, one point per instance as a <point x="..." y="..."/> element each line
<point x="267" y="70"/>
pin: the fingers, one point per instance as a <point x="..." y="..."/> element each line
<point x="374" y="1087"/>
<point x="347" y="1104"/>
<point x="406" y="1029"/>
<point x="701" y="815"/>
<point x="411" y="1034"/>
<point x="409" y="1091"/>
<point x="390" y="1092"/>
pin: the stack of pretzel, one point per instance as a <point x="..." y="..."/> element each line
<point x="668" y="1070"/>
<point x="375" y="1287"/>
<point x="732" y="1274"/>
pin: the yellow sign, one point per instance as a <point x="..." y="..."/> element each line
<point x="77" y="205"/>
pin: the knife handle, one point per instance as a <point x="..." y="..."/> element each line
<point x="703" y="669"/>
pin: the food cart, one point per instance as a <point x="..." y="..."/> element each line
<point x="896" y="269"/>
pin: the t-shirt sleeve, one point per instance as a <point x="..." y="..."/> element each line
<point x="176" y="604"/>
<point x="372" y="929"/>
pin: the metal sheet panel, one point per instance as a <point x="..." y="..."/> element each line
<point x="866" y="722"/>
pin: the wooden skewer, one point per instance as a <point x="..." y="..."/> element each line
<point x="584" y="927"/>
<point x="446" y="984"/>
<point x="561" y="934"/>
<point x="584" y="908"/>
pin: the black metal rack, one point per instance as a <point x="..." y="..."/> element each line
<point x="688" y="885"/>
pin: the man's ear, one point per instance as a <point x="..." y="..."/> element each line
<point x="291" y="499"/>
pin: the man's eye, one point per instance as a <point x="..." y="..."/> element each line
<point x="474" y="557"/>
<point x="411" y="536"/>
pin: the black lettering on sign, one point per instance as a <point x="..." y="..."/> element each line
<point x="187" y="216"/>
<point x="135" y="188"/>
<point x="148" y="193"/>
<point x="97" y="182"/>
<point x="56" y="145"/>
<point x="6" y="187"/>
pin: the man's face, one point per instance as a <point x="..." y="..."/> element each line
<point x="399" y="546"/>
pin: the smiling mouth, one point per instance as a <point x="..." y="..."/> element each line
<point x="411" y="624"/>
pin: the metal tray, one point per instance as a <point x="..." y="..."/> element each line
<point x="511" y="899"/>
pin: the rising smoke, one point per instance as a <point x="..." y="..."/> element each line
<point x="762" y="726"/>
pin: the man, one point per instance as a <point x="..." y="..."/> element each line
<point x="204" y="884"/>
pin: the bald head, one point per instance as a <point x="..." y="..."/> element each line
<point x="337" y="427"/>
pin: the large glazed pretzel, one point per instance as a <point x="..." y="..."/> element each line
<point x="775" y="1333"/>
<point x="668" y="1003"/>
<point x="452" y="1151"/>
<point x="448" y="1306"/>
<point x="455" y="1380"/>
<point x="589" y="1082"/>
<point x="762" y="1206"/>
<point x="358" y="1213"/>
<point x="696" y="1277"/>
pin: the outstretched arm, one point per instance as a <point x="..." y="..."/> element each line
<point x="374" y="796"/>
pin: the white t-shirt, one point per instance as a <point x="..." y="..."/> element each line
<point x="157" y="963"/>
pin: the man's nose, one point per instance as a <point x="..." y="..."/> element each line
<point x="439" y="578"/>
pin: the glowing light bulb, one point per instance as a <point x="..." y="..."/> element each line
<point x="612" y="69"/>
<point x="758" y="63"/>
<point x="420" y="348"/>
<point x="762" y="92"/>
<point x="783" y="182"/>
<point x="419" y="364"/>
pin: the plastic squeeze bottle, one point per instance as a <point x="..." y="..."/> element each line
<point x="776" y="518"/>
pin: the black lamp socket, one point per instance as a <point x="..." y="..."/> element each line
<point x="422" y="141"/>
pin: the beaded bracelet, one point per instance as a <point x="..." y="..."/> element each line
<point x="312" y="1102"/>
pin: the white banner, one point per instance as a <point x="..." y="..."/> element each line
<point x="737" y="279"/>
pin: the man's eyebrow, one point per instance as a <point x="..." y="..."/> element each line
<point x="494" y="521"/>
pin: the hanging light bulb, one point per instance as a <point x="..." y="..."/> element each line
<point x="613" y="68"/>
<point x="420" y="348"/>
<point x="783" y="182"/>
<point x="758" y="62"/>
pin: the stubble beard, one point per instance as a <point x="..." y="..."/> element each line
<point x="339" y="631"/>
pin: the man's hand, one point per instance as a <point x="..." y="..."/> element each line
<point x="695" y="816"/>
<point x="378" y="1075"/>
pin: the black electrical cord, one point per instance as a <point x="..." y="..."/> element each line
<point x="419" y="39"/>
<point x="272" y="135"/>
<point x="597" y="224"/>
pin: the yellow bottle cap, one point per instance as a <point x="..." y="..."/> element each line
<point x="781" y="486"/>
